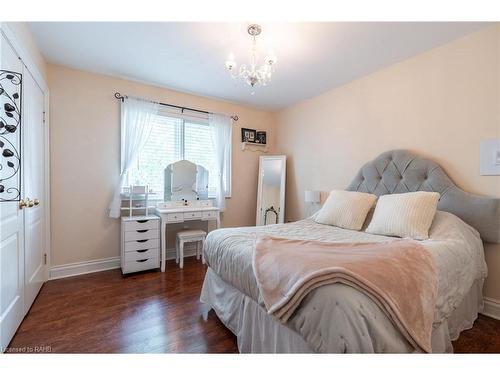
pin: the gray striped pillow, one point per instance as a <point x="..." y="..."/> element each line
<point x="407" y="215"/>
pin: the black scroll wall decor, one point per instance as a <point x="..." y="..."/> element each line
<point x="10" y="135"/>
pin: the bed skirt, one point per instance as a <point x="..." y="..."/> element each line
<point x="258" y="332"/>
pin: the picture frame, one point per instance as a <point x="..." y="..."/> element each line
<point x="261" y="137"/>
<point x="248" y="135"/>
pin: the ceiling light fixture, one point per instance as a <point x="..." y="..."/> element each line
<point x="254" y="75"/>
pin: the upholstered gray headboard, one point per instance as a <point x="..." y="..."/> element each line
<point x="401" y="171"/>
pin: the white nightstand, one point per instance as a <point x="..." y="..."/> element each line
<point x="140" y="243"/>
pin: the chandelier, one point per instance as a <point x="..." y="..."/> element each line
<point x="253" y="74"/>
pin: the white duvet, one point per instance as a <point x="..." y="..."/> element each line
<point x="337" y="318"/>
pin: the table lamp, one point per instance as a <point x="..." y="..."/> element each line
<point x="312" y="197"/>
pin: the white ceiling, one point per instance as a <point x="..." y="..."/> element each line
<point x="189" y="57"/>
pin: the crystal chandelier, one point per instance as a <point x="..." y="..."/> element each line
<point x="253" y="74"/>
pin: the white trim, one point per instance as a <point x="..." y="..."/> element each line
<point x="24" y="55"/>
<point x="491" y="308"/>
<point x="81" y="268"/>
<point x="98" y="265"/>
<point x="48" y="237"/>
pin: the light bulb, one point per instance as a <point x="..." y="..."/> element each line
<point x="271" y="57"/>
<point x="230" y="63"/>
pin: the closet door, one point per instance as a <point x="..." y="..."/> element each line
<point x="34" y="189"/>
<point x="11" y="239"/>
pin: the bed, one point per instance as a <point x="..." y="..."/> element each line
<point x="337" y="318"/>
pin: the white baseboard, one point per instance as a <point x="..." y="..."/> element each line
<point x="491" y="308"/>
<point x="98" y="265"/>
<point x="80" y="268"/>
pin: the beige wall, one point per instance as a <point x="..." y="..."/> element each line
<point x="85" y="146"/>
<point x="441" y="104"/>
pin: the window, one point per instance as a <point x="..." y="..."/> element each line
<point x="174" y="138"/>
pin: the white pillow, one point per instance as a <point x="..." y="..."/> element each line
<point x="404" y="215"/>
<point x="346" y="209"/>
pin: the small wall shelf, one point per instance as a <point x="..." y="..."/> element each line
<point x="250" y="146"/>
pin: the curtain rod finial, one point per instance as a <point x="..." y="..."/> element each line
<point x="119" y="96"/>
<point x="235" y="118"/>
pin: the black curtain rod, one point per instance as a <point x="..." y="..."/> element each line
<point x="122" y="97"/>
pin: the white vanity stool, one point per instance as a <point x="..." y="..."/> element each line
<point x="185" y="236"/>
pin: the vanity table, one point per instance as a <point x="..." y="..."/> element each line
<point x="185" y="199"/>
<point x="171" y="212"/>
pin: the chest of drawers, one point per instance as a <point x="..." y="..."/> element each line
<point x="140" y="243"/>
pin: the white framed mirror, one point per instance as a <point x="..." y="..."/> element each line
<point x="185" y="180"/>
<point x="271" y="190"/>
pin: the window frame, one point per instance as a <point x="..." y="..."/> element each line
<point x="197" y="120"/>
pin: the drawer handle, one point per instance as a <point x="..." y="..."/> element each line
<point x="142" y="251"/>
<point x="142" y="240"/>
<point x="142" y="230"/>
<point x="142" y="260"/>
<point x="142" y="221"/>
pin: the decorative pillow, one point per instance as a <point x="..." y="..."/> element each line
<point x="368" y="219"/>
<point x="404" y="215"/>
<point x="346" y="209"/>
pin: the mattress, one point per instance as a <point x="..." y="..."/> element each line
<point x="337" y="318"/>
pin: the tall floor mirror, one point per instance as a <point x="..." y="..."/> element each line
<point x="271" y="190"/>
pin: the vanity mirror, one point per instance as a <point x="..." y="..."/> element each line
<point x="271" y="190"/>
<point x="185" y="180"/>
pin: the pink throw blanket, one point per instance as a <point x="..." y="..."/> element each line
<point x="399" y="276"/>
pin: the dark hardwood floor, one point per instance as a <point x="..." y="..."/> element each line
<point x="484" y="337"/>
<point x="104" y="312"/>
<point x="152" y="312"/>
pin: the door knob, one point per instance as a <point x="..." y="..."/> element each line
<point x="22" y="204"/>
<point x="36" y="201"/>
<point x="30" y="202"/>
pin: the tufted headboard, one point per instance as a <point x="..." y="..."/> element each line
<point x="401" y="171"/>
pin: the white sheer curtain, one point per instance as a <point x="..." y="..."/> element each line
<point x="136" y="125"/>
<point x="220" y="126"/>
